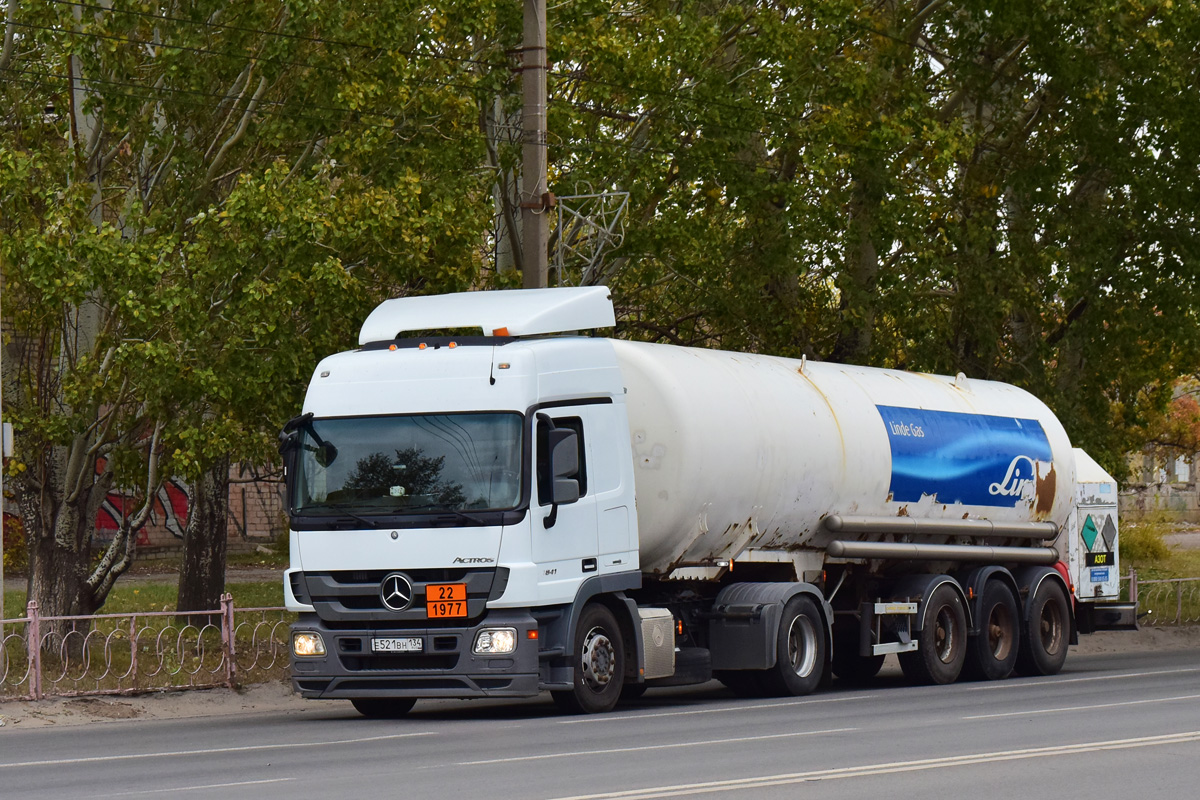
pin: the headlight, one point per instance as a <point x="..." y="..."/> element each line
<point x="495" y="641"/>
<point x="307" y="643"/>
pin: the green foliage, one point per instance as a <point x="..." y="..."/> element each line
<point x="1006" y="190"/>
<point x="1142" y="543"/>
<point x="199" y="202"/>
<point x="16" y="549"/>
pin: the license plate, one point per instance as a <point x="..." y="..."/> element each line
<point x="445" y="600"/>
<point x="407" y="644"/>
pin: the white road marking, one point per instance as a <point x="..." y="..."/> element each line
<point x="649" y="747"/>
<point x="1059" y="681"/>
<point x="1085" y="708"/>
<point x="731" y="709"/>
<point x="170" y="789"/>
<point x="176" y="753"/>
<point x="764" y="781"/>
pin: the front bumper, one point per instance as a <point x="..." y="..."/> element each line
<point x="446" y="667"/>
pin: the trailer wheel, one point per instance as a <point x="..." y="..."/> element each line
<point x="383" y="707"/>
<point x="800" y="659"/>
<point x="1044" y="639"/>
<point x="599" y="660"/>
<point x="992" y="654"/>
<point x="942" y="642"/>
<point x="851" y="667"/>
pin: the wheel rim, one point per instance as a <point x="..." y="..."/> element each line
<point x="1000" y="632"/>
<point x="1051" y="627"/>
<point x="802" y="646"/>
<point x="599" y="659"/>
<point x="945" y="643"/>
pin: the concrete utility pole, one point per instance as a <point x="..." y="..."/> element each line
<point x="535" y="195"/>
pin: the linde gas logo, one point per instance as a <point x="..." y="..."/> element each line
<point x="905" y="429"/>
<point x="973" y="459"/>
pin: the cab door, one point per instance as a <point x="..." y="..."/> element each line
<point x="565" y="541"/>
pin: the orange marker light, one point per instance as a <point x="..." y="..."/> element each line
<point x="679" y="627"/>
<point x="500" y="331"/>
<point x="531" y="635"/>
<point x="421" y="346"/>
<point x="453" y="345"/>
<point x="391" y="347"/>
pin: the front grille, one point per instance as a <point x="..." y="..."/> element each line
<point x="353" y="595"/>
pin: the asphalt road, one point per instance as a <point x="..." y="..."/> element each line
<point x="1110" y="725"/>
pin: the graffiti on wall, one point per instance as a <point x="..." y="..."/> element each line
<point x="169" y="511"/>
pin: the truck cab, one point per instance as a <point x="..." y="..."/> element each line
<point x="447" y="495"/>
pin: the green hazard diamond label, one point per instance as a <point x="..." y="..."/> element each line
<point x="1089" y="532"/>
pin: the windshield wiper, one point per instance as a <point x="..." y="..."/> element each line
<point x="459" y="514"/>
<point x="344" y="508"/>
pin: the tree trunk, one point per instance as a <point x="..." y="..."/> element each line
<point x="860" y="269"/>
<point x="202" y="576"/>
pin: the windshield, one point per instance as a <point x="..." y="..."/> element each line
<point x="416" y="464"/>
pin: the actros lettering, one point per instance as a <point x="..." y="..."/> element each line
<point x="1014" y="485"/>
<point x="474" y="560"/>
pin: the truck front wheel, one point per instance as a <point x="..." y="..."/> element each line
<point x="800" y="654"/>
<point x="599" y="661"/>
<point x="383" y="707"/>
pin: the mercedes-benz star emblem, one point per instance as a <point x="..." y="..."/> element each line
<point x="396" y="592"/>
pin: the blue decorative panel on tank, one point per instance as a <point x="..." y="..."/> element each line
<point x="974" y="459"/>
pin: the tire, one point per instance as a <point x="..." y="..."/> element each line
<point x="851" y="667"/>
<point x="1046" y="635"/>
<point x="599" y="661"/>
<point x="383" y="707"/>
<point x="800" y="651"/>
<point x="992" y="653"/>
<point x="942" y="642"/>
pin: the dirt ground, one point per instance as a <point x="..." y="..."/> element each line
<point x="278" y="698"/>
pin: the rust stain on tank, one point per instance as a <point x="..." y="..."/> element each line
<point x="1044" y="493"/>
<point x="903" y="512"/>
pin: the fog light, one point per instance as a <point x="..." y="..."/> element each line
<point x="307" y="643"/>
<point x="495" y="641"/>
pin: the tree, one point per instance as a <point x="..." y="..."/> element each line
<point x="1003" y="190"/>
<point x="200" y="201"/>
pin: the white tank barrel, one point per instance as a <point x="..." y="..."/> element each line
<point x="735" y="451"/>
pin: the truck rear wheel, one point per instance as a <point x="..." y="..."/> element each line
<point x="992" y="653"/>
<point x="599" y="661"/>
<point x="383" y="707"/>
<point x="800" y="651"/>
<point x="942" y="642"/>
<point x="1044" y="640"/>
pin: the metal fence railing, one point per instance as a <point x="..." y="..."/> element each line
<point x="42" y="656"/>
<point x="1164" y="601"/>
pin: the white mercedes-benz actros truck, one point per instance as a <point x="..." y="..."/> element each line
<point x="525" y="507"/>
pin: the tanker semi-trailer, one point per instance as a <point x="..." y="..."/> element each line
<point x="523" y="508"/>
